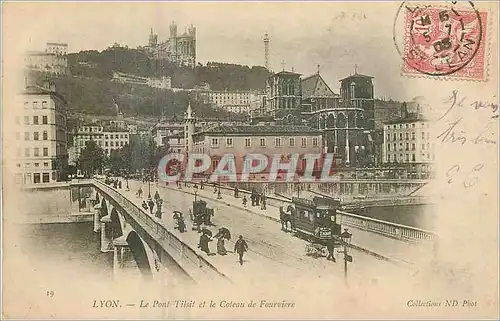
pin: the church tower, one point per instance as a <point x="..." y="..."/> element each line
<point x="189" y="126"/>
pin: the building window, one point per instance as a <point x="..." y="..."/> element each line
<point x="36" y="152"/>
<point x="215" y="142"/>
<point x="412" y="125"/>
<point x="423" y="135"/>
<point x="44" y="120"/>
<point x="26" y="120"/>
<point x="413" y="157"/>
<point x="407" y="146"/>
<point x="315" y="141"/>
<point x="37" y="164"/>
<point x="394" y="136"/>
<point x="45" y="164"/>
<point x="26" y="105"/>
<point x="388" y="147"/>
<point x="45" y="151"/>
<point x="36" y="178"/>
<point x="407" y="136"/>
<point x="106" y="144"/>
<point x="26" y="136"/>
<point x="303" y="142"/>
<point x="35" y="120"/>
<point x="277" y="142"/>
<point x="247" y="142"/>
<point x="394" y="146"/>
<point x="262" y="142"/>
<point x="413" y="146"/>
<point x="400" y="136"/>
<point x="35" y="136"/>
<point x="46" y="177"/>
<point x="413" y="136"/>
<point x="423" y="146"/>
<point x="35" y="104"/>
<point x="106" y="136"/>
<point x="26" y="152"/>
<point x="111" y="144"/>
<point x="292" y="142"/>
<point x="388" y="137"/>
<point x="229" y="142"/>
<point x="44" y="104"/>
<point x="45" y="135"/>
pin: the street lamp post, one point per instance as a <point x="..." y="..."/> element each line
<point x="195" y="194"/>
<point x="149" y="187"/>
<point x="346" y="240"/>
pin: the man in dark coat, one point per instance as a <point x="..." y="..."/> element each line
<point x="236" y="192"/>
<point x="252" y="197"/>
<point x="151" y="206"/>
<point x="240" y="247"/>
<point x="119" y="184"/>
<point x="157" y="195"/>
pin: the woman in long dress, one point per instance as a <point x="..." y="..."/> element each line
<point x="221" y="250"/>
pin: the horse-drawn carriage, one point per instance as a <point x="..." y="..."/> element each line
<point x="201" y="214"/>
<point x="315" y="221"/>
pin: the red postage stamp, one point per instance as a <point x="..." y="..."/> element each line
<point x="445" y="41"/>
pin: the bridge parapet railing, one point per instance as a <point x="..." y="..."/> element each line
<point x="185" y="252"/>
<point x="399" y="231"/>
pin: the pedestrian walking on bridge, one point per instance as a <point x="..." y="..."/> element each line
<point x="240" y="247"/>
<point x="151" y="206"/>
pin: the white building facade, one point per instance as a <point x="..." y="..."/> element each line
<point x="40" y="130"/>
<point x="108" y="139"/>
<point x="409" y="142"/>
<point x="234" y="101"/>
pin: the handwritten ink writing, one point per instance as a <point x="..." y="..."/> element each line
<point x="449" y="135"/>
<point x="484" y="104"/>
<point x="453" y="134"/>
<point x="453" y="99"/>
<point x="482" y="139"/>
<point x="455" y="169"/>
<point x="456" y="101"/>
<point x="471" y="181"/>
<point x="470" y="178"/>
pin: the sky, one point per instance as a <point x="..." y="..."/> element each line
<point x="336" y="36"/>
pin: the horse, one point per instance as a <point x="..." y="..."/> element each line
<point x="285" y="218"/>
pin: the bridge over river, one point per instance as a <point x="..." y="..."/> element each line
<point x="151" y="245"/>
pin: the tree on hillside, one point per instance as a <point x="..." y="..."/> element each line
<point x="91" y="159"/>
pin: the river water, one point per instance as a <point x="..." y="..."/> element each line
<point x="72" y="245"/>
<point x="420" y="216"/>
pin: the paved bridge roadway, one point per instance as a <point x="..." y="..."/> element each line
<point x="272" y="254"/>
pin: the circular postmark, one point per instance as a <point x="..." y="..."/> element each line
<point x="439" y="40"/>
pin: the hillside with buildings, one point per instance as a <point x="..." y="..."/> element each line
<point x="96" y="96"/>
<point x="219" y="76"/>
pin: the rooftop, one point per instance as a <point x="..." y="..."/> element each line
<point x="259" y="129"/>
<point x="356" y="75"/>
<point x="37" y="90"/>
<point x="411" y="119"/>
<point x="283" y="72"/>
<point x="310" y="84"/>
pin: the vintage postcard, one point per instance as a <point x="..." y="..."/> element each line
<point x="236" y="160"/>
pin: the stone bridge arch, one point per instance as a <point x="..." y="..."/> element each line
<point x="116" y="224"/>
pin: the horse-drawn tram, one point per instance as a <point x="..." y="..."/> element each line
<point x="316" y="221"/>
